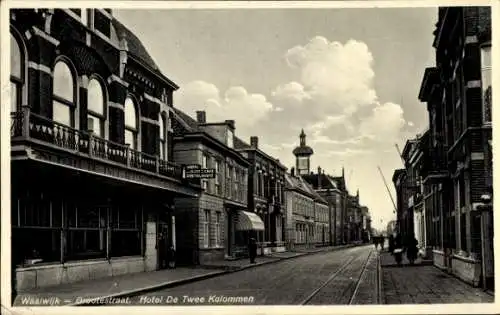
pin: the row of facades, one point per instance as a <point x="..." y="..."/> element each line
<point x="97" y="178"/>
<point x="444" y="193"/>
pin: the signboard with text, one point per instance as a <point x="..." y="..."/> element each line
<point x="196" y="172"/>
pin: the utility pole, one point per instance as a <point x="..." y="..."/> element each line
<point x="388" y="191"/>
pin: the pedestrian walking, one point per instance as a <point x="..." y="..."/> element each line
<point x="391" y="244"/>
<point x="382" y="240"/>
<point x="411" y="249"/>
<point x="252" y="250"/>
<point x="375" y="241"/>
<point x="398" y="249"/>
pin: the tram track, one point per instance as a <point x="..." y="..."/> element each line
<point x="345" y="281"/>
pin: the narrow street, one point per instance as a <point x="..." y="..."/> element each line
<point x="324" y="278"/>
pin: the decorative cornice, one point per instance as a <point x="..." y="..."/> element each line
<point x="43" y="68"/>
<point x="153" y="99"/>
<point x="149" y="120"/>
<point x="45" y="36"/>
<point x="115" y="78"/>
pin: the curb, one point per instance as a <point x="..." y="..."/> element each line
<point x="380" y="290"/>
<point x="170" y="284"/>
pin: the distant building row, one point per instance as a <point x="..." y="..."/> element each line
<point x="101" y="158"/>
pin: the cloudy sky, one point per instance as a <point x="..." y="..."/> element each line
<point x="348" y="77"/>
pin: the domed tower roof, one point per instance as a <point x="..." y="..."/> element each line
<point x="303" y="149"/>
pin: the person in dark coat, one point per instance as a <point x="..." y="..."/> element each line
<point x="398" y="249"/>
<point x="391" y="244"/>
<point x="252" y="250"/>
<point x="411" y="249"/>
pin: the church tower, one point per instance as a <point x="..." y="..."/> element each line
<point x="303" y="156"/>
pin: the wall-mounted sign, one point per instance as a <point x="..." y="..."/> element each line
<point x="198" y="172"/>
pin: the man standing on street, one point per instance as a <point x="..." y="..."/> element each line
<point x="252" y="250"/>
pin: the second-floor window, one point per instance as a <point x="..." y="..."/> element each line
<point x="95" y="108"/>
<point x="204" y="165"/>
<point x="86" y="16"/>
<point x="229" y="177"/>
<point x="236" y="175"/>
<point x="16" y="74"/>
<point x="63" y="100"/>
<point x="218" y="177"/>
<point x="161" y="120"/>
<point x="486" y="82"/>
<point x="131" y="129"/>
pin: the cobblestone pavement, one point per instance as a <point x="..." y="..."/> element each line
<point x="286" y="282"/>
<point x="427" y="285"/>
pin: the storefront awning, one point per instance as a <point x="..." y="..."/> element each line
<point x="248" y="221"/>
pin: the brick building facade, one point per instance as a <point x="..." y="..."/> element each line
<point x="93" y="181"/>
<point x="458" y="167"/>
<point x="266" y="194"/>
<point x="300" y="219"/>
<point x="213" y="223"/>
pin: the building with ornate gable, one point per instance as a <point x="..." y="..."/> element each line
<point x="93" y="181"/>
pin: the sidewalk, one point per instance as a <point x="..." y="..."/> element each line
<point x="120" y="285"/>
<point x="387" y="260"/>
<point x="424" y="284"/>
<point x="126" y="285"/>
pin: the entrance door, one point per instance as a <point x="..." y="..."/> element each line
<point x="163" y="233"/>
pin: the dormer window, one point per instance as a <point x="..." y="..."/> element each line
<point x="230" y="139"/>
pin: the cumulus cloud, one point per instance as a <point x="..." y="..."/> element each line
<point x="236" y="103"/>
<point x="335" y="76"/>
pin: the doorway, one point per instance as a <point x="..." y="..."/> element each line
<point x="163" y="244"/>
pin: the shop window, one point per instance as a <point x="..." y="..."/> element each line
<point x="475" y="232"/>
<point x="86" y="234"/>
<point x="463" y="232"/>
<point x="127" y="228"/>
<point x="16" y="74"/>
<point x="95" y="108"/>
<point x="63" y="97"/>
<point x="36" y="230"/>
<point x="131" y="125"/>
<point x="218" y="231"/>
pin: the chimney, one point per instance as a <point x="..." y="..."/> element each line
<point x="292" y="171"/>
<point x="319" y="177"/>
<point x="254" y="142"/>
<point x="201" y="116"/>
<point x="230" y="123"/>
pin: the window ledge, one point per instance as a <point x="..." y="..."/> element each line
<point x="75" y="263"/>
<point x="466" y="258"/>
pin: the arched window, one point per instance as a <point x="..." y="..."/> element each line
<point x="130" y="123"/>
<point x="16" y="74"/>
<point x="63" y="100"/>
<point x="163" y="135"/>
<point x="95" y="108"/>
